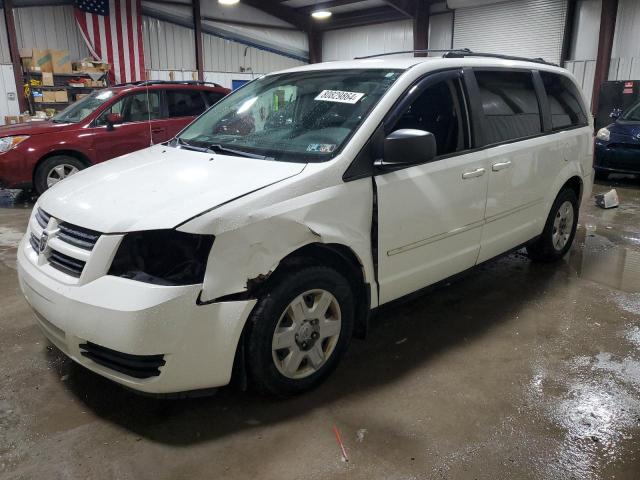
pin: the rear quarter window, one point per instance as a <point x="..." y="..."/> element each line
<point x="564" y="101"/>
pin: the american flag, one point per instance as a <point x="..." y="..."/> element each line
<point x="112" y="30"/>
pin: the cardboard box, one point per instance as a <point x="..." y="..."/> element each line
<point x="47" y="79"/>
<point x="41" y="60"/>
<point x="48" y="96"/>
<point x="61" y="96"/>
<point x="91" y="66"/>
<point x="61" y="61"/>
<point x="36" y="60"/>
<point x="13" y="119"/>
<point x="37" y="96"/>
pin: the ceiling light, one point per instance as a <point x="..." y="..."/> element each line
<point x="321" y="14"/>
<point x="228" y="2"/>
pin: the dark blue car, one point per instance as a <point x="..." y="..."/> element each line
<point x="618" y="145"/>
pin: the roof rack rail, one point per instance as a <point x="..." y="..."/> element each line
<point x="398" y="52"/>
<point x="468" y="53"/>
<point x="144" y="83"/>
<point x="460" y="53"/>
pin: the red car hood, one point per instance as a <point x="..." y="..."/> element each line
<point x="34" y="128"/>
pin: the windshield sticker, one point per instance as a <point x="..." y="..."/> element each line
<point x="321" y="147"/>
<point x="339" y="96"/>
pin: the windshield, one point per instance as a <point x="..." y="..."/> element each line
<point x="300" y="116"/>
<point x="82" y="108"/>
<point x="632" y="114"/>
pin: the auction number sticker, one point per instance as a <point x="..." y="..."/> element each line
<point x="339" y="96"/>
<point x="321" y="147"/>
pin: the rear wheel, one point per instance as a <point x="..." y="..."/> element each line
<point x="55" y="169"/>
<point x="299" y="330"/>
<point x="559" y="230"/>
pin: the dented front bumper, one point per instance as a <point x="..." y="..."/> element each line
<point x="194" y="345"/>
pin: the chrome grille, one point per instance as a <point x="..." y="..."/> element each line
<point x="65" y="263"/>
<point x="68" y="246"/>
<point x="35" y="243"/>
<point x="78" y="236"/>
<point x="42" y="218"/>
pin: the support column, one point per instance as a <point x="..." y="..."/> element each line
<point x="605" y="45"/>
<point x="421" y="27"/>
<point x="197" y="24"/>
<point x="315" y="45"/>
<point x="15" y="53"/>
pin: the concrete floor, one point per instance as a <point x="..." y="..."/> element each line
<point x="517" y="370"/>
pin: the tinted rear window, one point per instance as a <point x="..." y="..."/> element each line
<point x="510" y="105"/>
<point x="185" y="103"/>
<point x="564" y="101"/>
<point x="213" y="97"/>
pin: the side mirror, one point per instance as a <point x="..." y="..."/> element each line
<point x="113" y="119"/>
<point x="408" y="146"/>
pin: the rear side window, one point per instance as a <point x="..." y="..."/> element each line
<point x="510" y="105"/>
<point x="564" y="101"/>
<point x="213" y="97"/>
<point x="185" y="103"/>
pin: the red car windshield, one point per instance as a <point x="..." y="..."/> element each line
<point x="81" y="109"/>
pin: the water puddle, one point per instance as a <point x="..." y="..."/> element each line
<point x="597" y="258"/>
<point x="16" y="198"/>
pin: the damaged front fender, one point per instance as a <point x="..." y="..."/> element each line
<point x="249" y="247"/>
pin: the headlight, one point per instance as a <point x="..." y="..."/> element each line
<point x="603" y="134"/>
<point x="7" y="143"/>
<point x="162" y="257"/>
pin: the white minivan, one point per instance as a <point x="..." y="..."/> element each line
<point x="257" y="242"/>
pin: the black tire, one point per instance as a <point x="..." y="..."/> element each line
<point x="263" y="374"/>
<point x="543" y="249"/>
<point x="43" y="170"/>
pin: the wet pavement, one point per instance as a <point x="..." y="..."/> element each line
<point x="516" y="370"/>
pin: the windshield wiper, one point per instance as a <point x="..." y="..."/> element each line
<point x="217" y="148"/>
<point x="188" y="146"/>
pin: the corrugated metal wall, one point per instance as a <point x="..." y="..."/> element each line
<point x="170" y="47"/>
<point x="625" y="61"/>
<point x="5" y="55"/>
<point x="584" y="71"/>
<point x="7" y="83"/>
<point x="49" y="27"/>
<point x="222" y="55"/>
<point x="7" y="86"/>
<point x="345" y="44"/>
<point x="584" y="44"/>
<point x="167" y="46"/>
<point x="440" y="31"/>
<point x="530" y="28"/>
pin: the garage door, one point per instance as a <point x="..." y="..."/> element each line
<point x="529" y="28"/>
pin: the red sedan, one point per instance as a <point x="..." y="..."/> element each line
<point x="106" y="124"/>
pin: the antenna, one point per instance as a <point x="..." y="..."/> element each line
<point x="146" y="88"/>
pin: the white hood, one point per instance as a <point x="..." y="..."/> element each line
<point x="159" y="187"/>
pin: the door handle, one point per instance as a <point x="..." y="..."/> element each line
<point x="157" y="130"/>
<point x="478" y="172"/>
<point x="496" y="167"/>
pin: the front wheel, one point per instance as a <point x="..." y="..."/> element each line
<point x="299" y="330"/>
<point x="559" y="231"/>
<point x="55" y="169"/>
